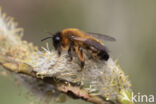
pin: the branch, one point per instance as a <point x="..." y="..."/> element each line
<point x="99" y="83"/>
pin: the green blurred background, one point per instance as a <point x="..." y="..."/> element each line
<point x="131" y="22"/>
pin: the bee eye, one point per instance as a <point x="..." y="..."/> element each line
<point x="57" y="38"/>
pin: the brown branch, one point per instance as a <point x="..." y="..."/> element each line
<point x="64" y="86"/>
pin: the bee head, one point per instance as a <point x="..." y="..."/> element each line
<point x="57" y="40"/>
<point x="103" y="55"/>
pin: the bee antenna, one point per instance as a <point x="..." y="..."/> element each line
<point x="46" y="38"/>
<point x="50" y="33"/>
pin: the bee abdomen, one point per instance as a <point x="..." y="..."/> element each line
<point x="103" y="55"/>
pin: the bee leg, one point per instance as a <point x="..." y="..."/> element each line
<point x="80" y="54"/>
<point x="70" y="52"/>
<point x="90" y="56"/>
<point x="59" y="51"/>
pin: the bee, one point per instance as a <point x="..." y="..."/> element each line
<point x="75" y="40"/>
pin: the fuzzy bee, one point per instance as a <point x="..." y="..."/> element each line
<point x="75" y="40"/>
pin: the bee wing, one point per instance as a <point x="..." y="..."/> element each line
<point x="101" y="36"/>
<point x="90" y="42"/>
<point x="78" y="38"/>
